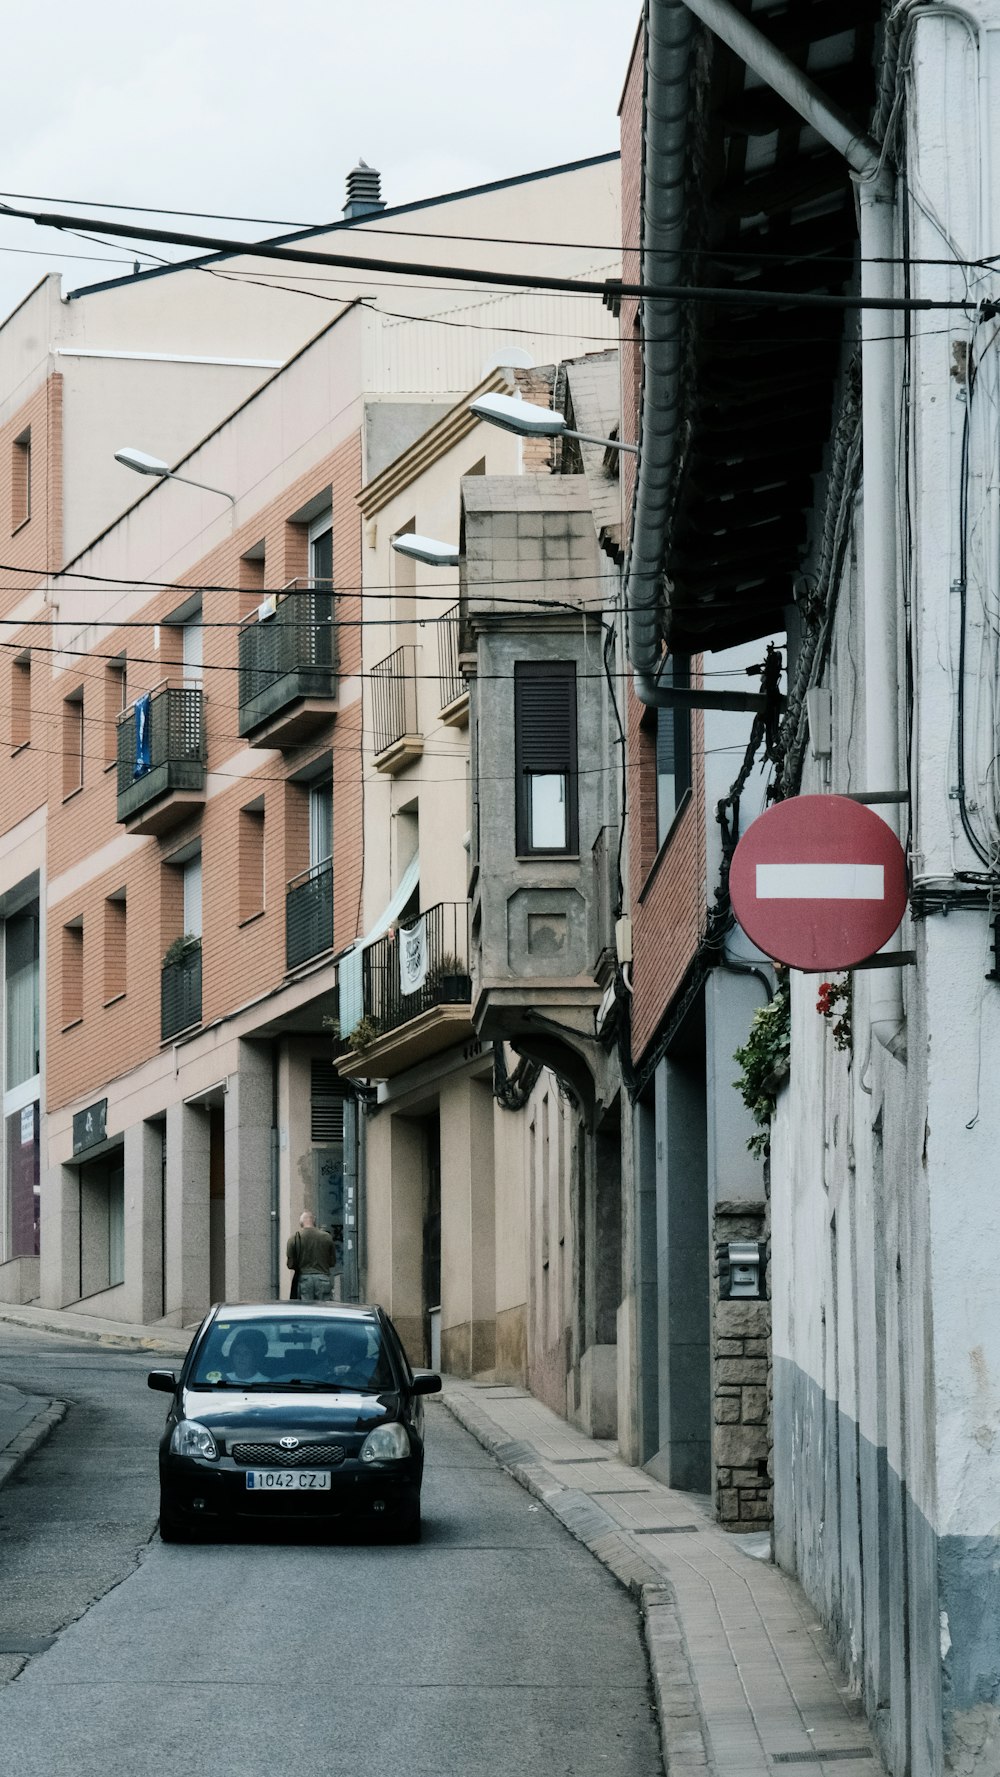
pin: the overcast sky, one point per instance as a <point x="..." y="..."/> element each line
<point x="259" y="108"/>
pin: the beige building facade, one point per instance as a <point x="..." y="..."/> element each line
<point x="183" y="855"/>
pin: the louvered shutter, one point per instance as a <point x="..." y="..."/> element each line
<point x="544" y="737"/>
<point x="326" y="1106"/>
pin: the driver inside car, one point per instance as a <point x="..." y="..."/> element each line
<point x="349" y="1359"/>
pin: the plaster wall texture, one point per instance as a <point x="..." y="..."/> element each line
<point x="885" y="1228"/>
<point x="409" y="599"/>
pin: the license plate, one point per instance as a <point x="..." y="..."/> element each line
<point x="287" y="1480"/>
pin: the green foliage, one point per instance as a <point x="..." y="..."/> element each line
<point x="764" y="1064"/>
<point x="366" y="1032"/>
<point x="181" y="949"/>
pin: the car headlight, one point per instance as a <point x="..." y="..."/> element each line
<point x="387" y="1443"/>
<point x="191" y="1439"/>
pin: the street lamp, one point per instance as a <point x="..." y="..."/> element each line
<point x="144" y="464"/>
<point x="527" y="420"/>
<point x="427" y="549"/>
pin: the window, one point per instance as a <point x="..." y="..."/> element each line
<point x="545" y="759"/>
<point x="251" y="860"/>
<point x="320" y="823"/>
<point x="114" y="947"/>
<point x="115" y="701"/>
<point x="72" y="973"/>
<point x="21" y="998"/>
<point x="673" y="749"/>
<point x="321" y="552"/>
<point x="250" y="580"/>
<point x="20" y="481"/>
<point x="20" y="702"/>
<point x="191" y="891"/>
<point x="192" y="637"/>
<point x="73" y="743"/>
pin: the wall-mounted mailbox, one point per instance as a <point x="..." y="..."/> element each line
<point x="741" y="1269"/>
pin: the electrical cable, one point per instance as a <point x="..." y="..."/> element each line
<point x="739" y="297"/>
<point x="368" y="226"/>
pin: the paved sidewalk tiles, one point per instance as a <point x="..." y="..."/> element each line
<point x="746" y="1683"/>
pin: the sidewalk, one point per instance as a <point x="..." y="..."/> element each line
<point x="746" y="1681"/>
<point x="27" y="1420"/>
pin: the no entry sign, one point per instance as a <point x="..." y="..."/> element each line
<point x="819" y="882"/>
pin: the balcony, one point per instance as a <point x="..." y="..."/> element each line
<point x="288" y="668"/>
<point x="161" y="782"/>
<point x="397" y="739"/>
<point x="309" y="915"/>
<point x="402" y="1024"/>
<point x="454" y="688"/>
<point x="180" y="989"/>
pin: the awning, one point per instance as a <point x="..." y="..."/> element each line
<point x="350" y="975"/>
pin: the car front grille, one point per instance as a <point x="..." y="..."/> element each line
<point x="273" y="1456"/>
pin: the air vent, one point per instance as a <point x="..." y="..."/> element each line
<point x="326" y="1103"/>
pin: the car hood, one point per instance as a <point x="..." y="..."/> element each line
<point x="256" y="1412"/>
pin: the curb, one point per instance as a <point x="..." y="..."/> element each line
<point x="685" y="1741"/>
<point x="94" y="1336"/>
<point x="16" y="1453"/>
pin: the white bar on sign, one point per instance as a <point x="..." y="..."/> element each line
<point x="820" y="882"/>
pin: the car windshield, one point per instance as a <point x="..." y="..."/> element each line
<point x="287" y="1351"/>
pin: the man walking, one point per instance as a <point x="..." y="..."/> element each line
<point x="310" y="1252"/>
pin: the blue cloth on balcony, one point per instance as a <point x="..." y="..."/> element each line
<point x="350" y="976"/>
<point x="143" y="758"/>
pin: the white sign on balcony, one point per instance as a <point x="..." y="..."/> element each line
<point x="413" y="956"/>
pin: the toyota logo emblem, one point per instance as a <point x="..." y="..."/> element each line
<point x="289" y="1443"/>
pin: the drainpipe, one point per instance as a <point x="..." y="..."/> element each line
<point x="668" y="42"/>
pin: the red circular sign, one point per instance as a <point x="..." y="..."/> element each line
<point x="819" y="882"/>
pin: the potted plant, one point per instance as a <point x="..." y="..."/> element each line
<point x="450" y="981"/>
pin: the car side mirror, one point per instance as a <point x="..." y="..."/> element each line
<point x="165" y="1380"/>
<point x="426" y="1382"/>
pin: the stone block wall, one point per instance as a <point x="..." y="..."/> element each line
<point x="741" y="1375"/>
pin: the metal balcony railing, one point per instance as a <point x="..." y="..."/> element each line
<point x="180" y="993"/>
<point x="453" y="686"/>
<point x="309" y="914"/>
<point x="394" y="698"/>
<point x="288" y="656"/>
<point x="442" y="958"/>
<point x="170" y="757"/>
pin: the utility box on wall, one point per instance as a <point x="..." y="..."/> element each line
<point x="741" y="1269"/>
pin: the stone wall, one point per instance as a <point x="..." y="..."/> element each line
<point x="741" y="1373"/>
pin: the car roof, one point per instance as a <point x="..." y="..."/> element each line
<point x="298" y="1310"/>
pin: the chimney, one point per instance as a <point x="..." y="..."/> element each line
<point x="364" y="192"/>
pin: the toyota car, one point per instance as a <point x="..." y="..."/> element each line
<point x="293" y="1411"/>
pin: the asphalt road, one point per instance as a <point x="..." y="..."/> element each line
<point x="497" y="1646"/>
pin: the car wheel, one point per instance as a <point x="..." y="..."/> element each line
<point x="408" y="1526"/>
<point x="172" y="1530"/>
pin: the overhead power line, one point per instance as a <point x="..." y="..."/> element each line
<point x="739" y="296"/>
<point x="369" y="226"/>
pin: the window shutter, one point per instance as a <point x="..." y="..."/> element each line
<point x="544" y="735"/>
<point x="326" y="1106"/>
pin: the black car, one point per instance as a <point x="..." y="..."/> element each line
<point x="293" y="1411"/>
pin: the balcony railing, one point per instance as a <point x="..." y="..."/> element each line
<point x="436" y="958"/>
<point x="288" y="658"/>
<point x="180" y="993"/>
<point x="394" y="704"/>
<point x="309" y="914"/>
<point x="453" y="685"/>
<point x="170" y="757"/>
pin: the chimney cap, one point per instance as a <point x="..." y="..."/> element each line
<point x="364" y="191"/>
